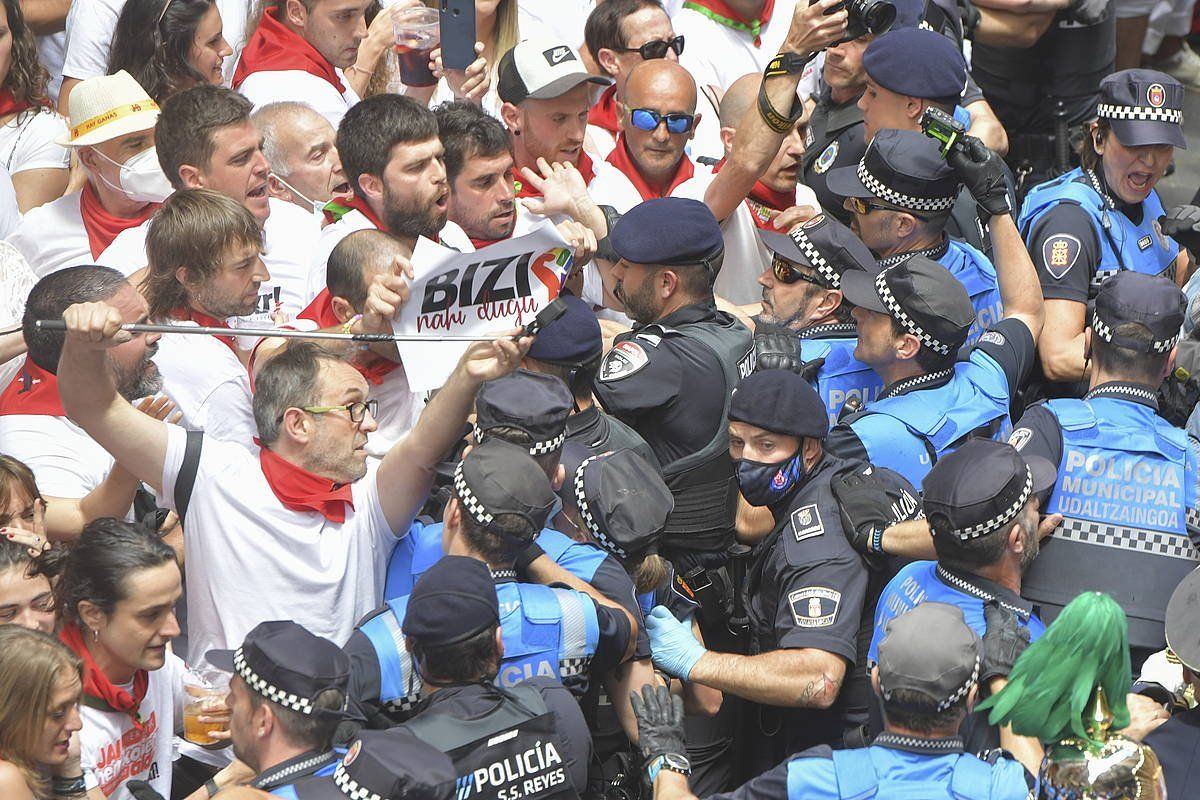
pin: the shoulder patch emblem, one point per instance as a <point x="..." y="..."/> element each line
<point x="1059" y="253"/>
<point x="825" y="160"/>
<point x="806" y="522"/>
<point x="815" y="606"/>
<point x="993" y="337"/>
<point x="625" y="359"/>
<point x="1020" y="437"/>
<point x="352" y="753"/>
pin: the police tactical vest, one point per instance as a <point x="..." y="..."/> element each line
<point x="703" y="482"/>
<point x="828" y="143"/>
<point x="1123" y="245"/>
<point x="511" y="752"/>
<point x="842" y="377"/>
<point x="977" y="274"/>
<point x="858" y="776"/>
<point x="1127" y="490"/>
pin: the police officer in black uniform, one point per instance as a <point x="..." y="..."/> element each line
<point x="382" y="765"/>
<point x="529" y="738"/>
<point x="835" y="131"/>
<point x="571" y="350"/>
<point x="1177" y="741"/>
<point x="300" y="681"/>
<point x="807" y="591"/>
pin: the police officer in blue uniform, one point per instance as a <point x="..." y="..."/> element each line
<point x="1127" y="484"/>
<point x="981" y="503"/>
<point x="1103" y="217"/>
<point x="806" y="589"/>
<point x="571" y="350"/>
<point x="301" y="682"/>
<point x="502" y="499"/>
<point x="802" y="295"/>
<point x="1177" y="741"/>
<point x="530" y="738"/>
<point x="912" y="319"/>
<point x="901" y="194"/>
<point x="387" y="765"/>
<point x="926" y="677"/>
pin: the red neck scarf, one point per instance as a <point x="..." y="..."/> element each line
<point x="621" y="159"/>
<point x="96" y="685"/>
<point x="320" y="311"/>
<point x="101" y="226"/>
<point x="482" y="243"/>
<point x="275" y="48"/>
<point x="205" y="321"/>
<point x="763" y="200"/>
<point x="585" y="166"/>
<point x="720" y="12"/>
<point x="10" y="104"/>
<point x="34" y="392"/>
<point x="301" y="490"/>
<point x="604" y="113"/>
<point x="337" y="209"/>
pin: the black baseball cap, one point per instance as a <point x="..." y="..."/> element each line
<point x="623" y="501"/>
<point x="672" y="231"/>
<point x="451" y="602"/>
<point x="385" y="765"/>
<point x="573" y="339"/>
<point x="929" y="650"/>
<point x="824" y="244"/>
<point x="1155" y="303"/>
<point x="541" y="68"/>
<point x="903" y="168"/>
<point x="981" y="488"/>
<point x="781" y="401"/>
<point x="497" y="479"/>
<point x="1143" y="107"/>
<point x="922" y="295"/>
<point x="1183" y="621"/>
<point x="289" y="665"/>
<point x="533" y="402"/>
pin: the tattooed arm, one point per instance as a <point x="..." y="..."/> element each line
<point x="801" y="677"/>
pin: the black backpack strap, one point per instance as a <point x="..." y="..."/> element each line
<point x="185" y="480"/>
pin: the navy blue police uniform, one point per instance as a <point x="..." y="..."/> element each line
<point x="382" y="764"/>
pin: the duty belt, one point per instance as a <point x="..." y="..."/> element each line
<point x="1156" y="543"/>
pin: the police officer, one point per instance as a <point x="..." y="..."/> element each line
<point x="835" y="131"/>
<point x="912" y="319"/>
<point x="530" y="738"/>
<point x="1177" y="741"/>
<point x="901" y="195"/>
<point x="502" y="499"/>
<point x="382" y="765"/>
<point x="287" y="696"/>
<point x="571" y="350"/>
<point x="981" y="503"/>
<point x="1127" y="479"/>
<point x="805" y="589"/>
<point x="802" y="293"/>
<point x="1103" y="217"/>
<point x="927" y="680"/>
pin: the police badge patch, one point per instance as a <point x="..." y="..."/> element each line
<point x="806" y="522"/>
<point x="1156" y="95"/>
<point x="1059" y="253"/>
<point x="825" y="160"/>
<point x="623" y="360"/>
<point x="815" y="606"/>
<point x="1145" y="242"/>
<point x="1020" y="437"/>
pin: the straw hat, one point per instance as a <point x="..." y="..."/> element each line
<point x="106" y="107"/>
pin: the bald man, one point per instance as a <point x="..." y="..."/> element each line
<point x="301" y="150"/>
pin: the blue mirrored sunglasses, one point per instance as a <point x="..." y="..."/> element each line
<point x="647" y="119"/>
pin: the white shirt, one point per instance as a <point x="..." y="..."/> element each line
<point x="612" y="187"/>
<point x="90" y="27"/>
<point x="250" y="559"/>
<point x="66" y="461"/>
<point x="52" y="236"/>
<point x="114" y="751"/>
<point x="52" y="48"/>
<point x="717" y="55"/>
<point x="276" y="86"/>
<point x="27" y="142"/>
<point x="559" y="19"/>
<point x="210" y="385"/>
<point x="235" y="14"/>
<point x="10" y="217"/>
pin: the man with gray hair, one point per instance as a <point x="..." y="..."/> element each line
<point x="301" y="151"/>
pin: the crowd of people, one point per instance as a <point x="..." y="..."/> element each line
<point x="854" y="450"/>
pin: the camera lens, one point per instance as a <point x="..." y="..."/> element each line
<point x="877" y="16"/>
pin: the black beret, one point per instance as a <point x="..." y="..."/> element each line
<point x="916" y="63"/>
<point x="780" y="401"/>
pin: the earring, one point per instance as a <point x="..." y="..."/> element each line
<point x="95" y="634"/>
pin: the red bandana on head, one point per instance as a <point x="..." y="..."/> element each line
<point x="101" y="226"/>
<point x="621" y="159"/>
<point x="275" y="48"/>
<point x="763" y="200"/>
<point x="720" y="12"/>
<point x="97" y="688"/>
<point x="301" y="490"/>
<point x="34" y="392"/>
<point x="604" y="113"/>
<point x="584" y="165"/>
<point x="320" y="311"/>
<point x="205" y="321"/>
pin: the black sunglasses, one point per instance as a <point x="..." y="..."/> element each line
<point x="864" y="207"/>
<point x="786" y="273"/>
<point x="657" y="48"/>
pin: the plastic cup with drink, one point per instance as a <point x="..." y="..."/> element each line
<point x="418" y="33"/>
<point x="205" y="710"/>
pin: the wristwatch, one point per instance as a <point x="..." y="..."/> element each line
<point x="672" y="761"/>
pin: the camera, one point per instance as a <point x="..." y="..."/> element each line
<point x="937" y="124"/>
<point x="866" y="16"/>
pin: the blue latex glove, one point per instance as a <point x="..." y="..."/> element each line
<point x="673" y="647"/>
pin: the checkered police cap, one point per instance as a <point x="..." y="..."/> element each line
<point x="1143" y="107"/>
<point x="263" y="687"/>
<point x="535" y="449"/>
<point x="1154" y="303"/>
<point x="593" y="526"/>
<point x="884" y="192"/>
<point x="818" y="262"/>
<point x="1108" y="111"/>
<point x="929" y="650"/>
<point x="498" y="479"/>
<point x="1005" y="517"/>
<point x="900" y="315"/>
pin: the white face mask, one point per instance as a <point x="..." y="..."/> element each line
<point x="141" y="178"/>
<point x="318" y="206"/>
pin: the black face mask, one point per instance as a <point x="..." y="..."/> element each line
<point x="765" y="484"/>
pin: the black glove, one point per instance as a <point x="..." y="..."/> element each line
<point x="143" y="791"/>
<point x="1087" y="12"/>
<point x="659" y="717"/>
<point x="777" y="351"/>
<point x="872" y="501"/>
<point x="970" y="16"/>
<point x="1003" y="642"/>
<point x="983" y="173"/>
<point x="1177" y="397"/>
<point x="1181" y="219"/>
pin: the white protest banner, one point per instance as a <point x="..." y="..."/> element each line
<point x="500" y="287"/>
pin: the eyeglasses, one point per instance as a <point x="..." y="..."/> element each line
<point x="647" y="119"/>
<point x="657" y="48"/>
<point x="357" y="411"/>
<point x="860" y="206"/>
<point x="786" y="273"/>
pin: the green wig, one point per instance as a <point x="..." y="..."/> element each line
<point x="1053" y="683"/>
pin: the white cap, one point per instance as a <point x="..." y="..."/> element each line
<point x="541" y="68"/>
<point x="106" y="107"/>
